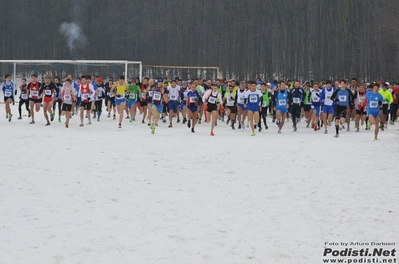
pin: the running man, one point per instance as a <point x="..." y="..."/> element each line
<point x="110" y="99"/>
<point x="253" y="101"/>
<point x="57" y="97"/>
<point x="388" y="99"/>
<point x="281" y="105"/>
<point x="266" y="99"/>
<point x="143" y="99"/>
<point x="360" y="105"/>
<point x="99" y="96"/>
<point x="230" y="101"/>
<point x="241" y="109"/>
<point x="316" y="107"/>
<point x="134" y="96"/>
<point x="86" y="95"/>
<point x="68" y="96"/>
<point x="34" y="97"/>
<point x="183" y="100"/>
<point x="173" y="101"/>
<point x="343" y="99"/>
<point x="374" y="102"/>
<point x="48" y="90"/>
<point x="119" y="90"/>
<point x="157" y="106"/>
<point x="23" y="98"/>
<point x="296" y="98"/>
<point x="193" y="97"/>
<point x="328" y="105"/>
<point x="8" y="92"/>
<point x="212" y="99"/>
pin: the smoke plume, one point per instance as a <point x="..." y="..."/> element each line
<point x="75" y="37"/>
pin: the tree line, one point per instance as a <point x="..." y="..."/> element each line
<point x="270" y="39"/>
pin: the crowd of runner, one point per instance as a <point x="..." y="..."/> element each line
<point x="319" y="104"/>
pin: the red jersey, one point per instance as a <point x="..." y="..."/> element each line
<point x="34" y="90"/>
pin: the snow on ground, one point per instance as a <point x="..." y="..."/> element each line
<point x="102" y="195"/>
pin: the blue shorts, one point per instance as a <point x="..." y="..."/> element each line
<point x="317" y="109"/>
<point x="131" y="103"/>
<point x="374" y="113"/>
<point x="182" y="105"/>
<point x="328" y="109"/>
<point x="283" y="110"/>
<point x="242" y="107"/>
<point x="192" y="108"/>
<point x="253" y="108"/>
<point x="159" y="107"/>
<point x="118" y="101"/>
<point x="173" y="105"/>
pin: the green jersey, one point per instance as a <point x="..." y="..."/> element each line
<point x="134" y="93"/>
<point x="265" y="99"/>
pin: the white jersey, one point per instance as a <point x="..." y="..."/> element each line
<point x="212" y="97"/>
<point x="327" y="96"/>
<point x="241" y="96"/>
<point x="173" y="93"/>
<point x="67" y="94"/>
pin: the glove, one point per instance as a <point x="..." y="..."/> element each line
<point x="205" y="107"/>
<point x="221" y="108"/>
<point x="386" y="100"/>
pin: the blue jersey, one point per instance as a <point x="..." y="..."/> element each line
<point x="326" y="94"/>
<point x="76" y="86"/>
<point x="315" y="97"/>
<point x="342" y="97"/>
<point x="94" y="85"/>
<point x="373" y="102"/>
<point x="193" y="98"/>
<point x="282" y="99"/>
<point x="59" y="86"/>
<point x="8" y="89"/>
<point x="253" y="98"/>
<point x="297" y="95"/>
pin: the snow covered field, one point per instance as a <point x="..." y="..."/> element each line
<point x="99" y="195"/>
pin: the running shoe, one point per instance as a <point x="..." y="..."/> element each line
<point x="9" y="117"/>
<point x="189" y="123"/>
<point x="48" y="123"/>
<point x="212" y="134"/>
<point x="253" y="134"/>
<point x="32" y="122"/>
<point x="170" y="125"/>
<point x="19" y="118"/>
<point x="52" y="117"/>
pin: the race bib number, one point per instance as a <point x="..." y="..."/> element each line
<point x="264" y="104"/>
<point x="193" y="99"/>
<point x="85" y="96"/>
<point x="67" y="97"/>
<point x="296" y="100"/>
<point x="173" y="97"/>
<point x="241" y="100"/>
<point x="282" y="102"/>
<point x="132" y="96"/>
<point x="316" y="99"/>
<point x="35" y="93"/>
<point x="361" y="99"/>
<point x="7" y="93"/>
<point x="373" y="104"/>
<point x="143" y="96"/>
<point x="342" y="98"/>
<point x="150" y="93"/>
<point x="253" y="99"/>
<point x="212" y="100"/>
<point x="185" y="97"/>
<point x="47" y="92"/>
<point x="24" y="96"/>
<point x="156" y="96"/>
